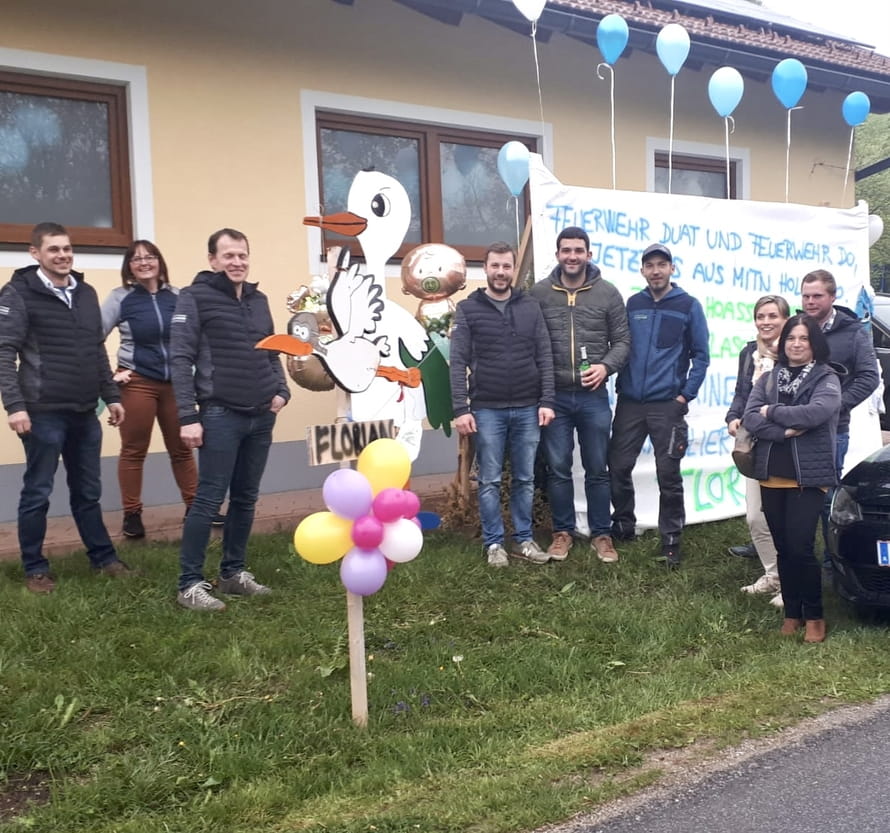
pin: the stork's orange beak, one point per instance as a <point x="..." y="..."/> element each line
<point x="285" y="344"/>
<point x="345" y="223"/>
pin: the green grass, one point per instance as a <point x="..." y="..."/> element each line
<point x="499" y="700"/>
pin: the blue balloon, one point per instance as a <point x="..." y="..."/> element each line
<point x="725" y="90"/>
<point x="513" y="160"/>
<point x="672" y="46"/>
<point x="856" y="108"/>
<point x="789" y="82"/>
<point x="611" y="37"/>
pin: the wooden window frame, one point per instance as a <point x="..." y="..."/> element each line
<point x="705" y="164"/>
<point x="114" y="96"/>
<point x="429" y="138"/>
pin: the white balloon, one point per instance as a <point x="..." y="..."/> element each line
<point x="875" y="229"/>
<point x="531" y="9"/>
<point x="402" y="540"/>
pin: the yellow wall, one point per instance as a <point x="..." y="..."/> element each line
<point x="224" y="84"/>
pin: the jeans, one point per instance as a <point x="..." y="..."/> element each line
<point x="499" y="429"/>
<point x="76" y="436"/>
<point x="793" y="515"/>
<point x="634" y="421"/>
<point x="588" y="413"/>
<point x="145" y="400"/>
<point x="232" y="457"/>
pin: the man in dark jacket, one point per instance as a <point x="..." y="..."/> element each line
<point x="669" y="358"/>
<point x="499" y="336"/>
<point x="587" y="322"/>
<point x="53" y="370"/>
<point x="227" y="394"/>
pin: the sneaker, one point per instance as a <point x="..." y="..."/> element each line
<point x="40" y="583"/>
<point x="604" y="548"/>
<point x="621" y="533"/>
<point x="496" y="555"/>
<point x="197" y="597"/>
<point x="777" y="600"/>
<point x="765" y="584"/>
<point x="133" y="527"/>
<point x="117" y="569"/>
<point x="559" y="548"/>
<point x="743" y="551"/>
<point x="242" y="584"/>
<point x="218" y="519"/>
<point x="530" y="551"/>
<point x="671" y="554"/>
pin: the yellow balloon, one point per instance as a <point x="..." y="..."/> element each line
<point x="386" y="465"/>
<point x="323" y="537"/>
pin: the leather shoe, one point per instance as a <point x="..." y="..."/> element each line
<point x="815" y="631"/>
<point x="744" y="551"/>
<point x="791" y="627"/>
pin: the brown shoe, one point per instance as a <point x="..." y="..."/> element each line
<point x="815" y="631"/>
<point x="791" y="627"/>
<point x="117" y="569"/>
<point x="559" y="549"/>
<point x="40" y="583"/>
<point x="605" y="551"/>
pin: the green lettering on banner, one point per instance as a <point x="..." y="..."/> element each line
<point x="710" y="489"/>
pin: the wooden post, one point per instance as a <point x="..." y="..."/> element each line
<point x="358" y="678"/>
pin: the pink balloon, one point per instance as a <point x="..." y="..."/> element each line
<point x="363" y="572"/>
<point x="410" y="504"/>
<point x="367" y="532"/>
<point x="388" y="505"/>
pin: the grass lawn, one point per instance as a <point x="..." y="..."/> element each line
<point x="500" y="700"/>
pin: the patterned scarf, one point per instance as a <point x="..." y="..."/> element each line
<point x="789" y="384"/>
<point x="764" y="358"/>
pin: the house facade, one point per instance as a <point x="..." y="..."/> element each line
<point x="254" y="115"/>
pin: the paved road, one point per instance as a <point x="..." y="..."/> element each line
<point x="834" y="781"/>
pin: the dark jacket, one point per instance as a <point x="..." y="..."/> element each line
<point x="592" y="315"/>
<point x="62" y="362"/>
<point x="744" y="381"/>
<point x="144" y="323"/>
<point x="669" y="353"/>
<point x="507" y="354"/>
<point x="814" y="409"/>
<point x="850" y="345"/>
<point x="212" y="349"/>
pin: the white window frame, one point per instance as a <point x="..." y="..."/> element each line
<point x="134" y="78"/>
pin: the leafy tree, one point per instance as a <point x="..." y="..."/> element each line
<point x="873" y="145"/>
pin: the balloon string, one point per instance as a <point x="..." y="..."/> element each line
<point x="516" y="207"/>
<point x="849" y="159"/>
<point x="726" y="125"/>
<point x="538" y="74"/>
<point x="671" y="139"/>
<point x="612" y="110"/>
<point x="788" y="156"/>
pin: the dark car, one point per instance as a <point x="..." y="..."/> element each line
<point x="880" y="330"/>
<point x="859" y="532"/>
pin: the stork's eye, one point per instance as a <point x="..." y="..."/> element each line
<point x="380" y="205"/>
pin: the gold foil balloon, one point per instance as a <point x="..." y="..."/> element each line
<point x="433" y="272"/>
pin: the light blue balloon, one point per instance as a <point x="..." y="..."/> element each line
<point x="513" y="159"/>
<point x="856" y="108"/>
<point x="789" y="82"/>
<point x="725" y="89"/>
<point x="611" y="37"/>
<point x="672" y="46"/>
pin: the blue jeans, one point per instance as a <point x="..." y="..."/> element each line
<point x="497" y="430"/>
<point x="588" y="413"/>
<point x="76" y="437"/>
<point x="232" y="457"/>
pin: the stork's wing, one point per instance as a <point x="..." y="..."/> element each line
<point x="354" y="303"/>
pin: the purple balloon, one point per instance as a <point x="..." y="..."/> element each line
<point x="367" y="532"/>
<point x="388" y="505"/>
<point x="347" y="493"/>
<point x="363" y="572"/>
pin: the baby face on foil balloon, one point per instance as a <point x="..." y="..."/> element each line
<point x="433" y="272"/>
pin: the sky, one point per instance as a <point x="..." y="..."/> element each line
<point x="866" y="21"/>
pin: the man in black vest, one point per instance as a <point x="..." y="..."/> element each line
<point x="53" y="370"/>
<point x="228" y="394"/>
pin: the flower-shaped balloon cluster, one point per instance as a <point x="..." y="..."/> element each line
<point x="371" y="522"/>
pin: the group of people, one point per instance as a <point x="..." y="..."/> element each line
<point x="531" y="368"/>
<point x="529" y="371"/>
<point x="183" y="360"/>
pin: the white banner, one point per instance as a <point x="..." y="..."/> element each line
<point x="727" y="254"/>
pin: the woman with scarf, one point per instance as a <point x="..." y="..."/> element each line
<point x="759" y="357"/>
<point x="793" y="411"/>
